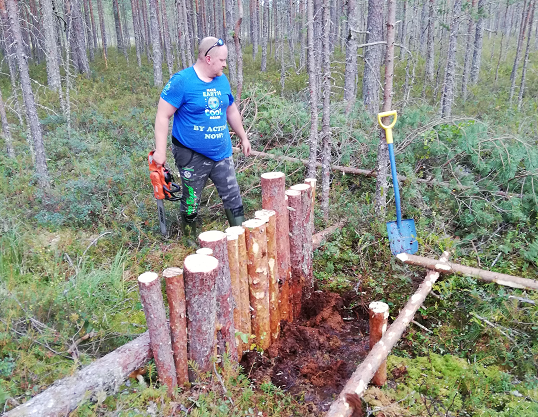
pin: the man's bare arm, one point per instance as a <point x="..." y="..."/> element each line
<point x="164" y="112"/>
<point x="236" y="123"/>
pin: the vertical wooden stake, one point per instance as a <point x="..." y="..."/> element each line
<point x="175" y="291"/>
<point x="306" y="223"/>
<point x="256" y="238"/>
<point x="312" y="182"/>
<point x="200" y="272"/>
<point x="149" y="286"/>
<point x="379" y="314"/>
<point x="217" y="241"/>
<point x="233" y="261"/>
<point x="274" y="198"/>
<point x="244" y="291"/>
<point x="297" y="238"/>
<point x="272" y="260"/>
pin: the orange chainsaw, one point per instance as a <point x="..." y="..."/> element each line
<point x="164" y="188"/>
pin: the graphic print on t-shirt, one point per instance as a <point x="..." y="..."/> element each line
<point x="213" y="109"/>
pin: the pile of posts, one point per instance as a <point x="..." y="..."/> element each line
<point x="236" y="288"/>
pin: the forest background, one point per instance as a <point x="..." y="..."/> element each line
<point x="79" y="84"/>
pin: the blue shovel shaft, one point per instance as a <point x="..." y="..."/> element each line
<point x="395" y="183"/>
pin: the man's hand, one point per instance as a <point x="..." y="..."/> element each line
<point x="159" y="157"/>
<point x="245" y="146"/>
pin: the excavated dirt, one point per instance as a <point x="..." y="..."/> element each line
<point x="316" y="354"/>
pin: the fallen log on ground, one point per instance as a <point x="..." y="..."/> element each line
<point x="104" y="375"/>
<point x="373" y="173"/>
<point x="320" y="237"/>
<point x="451" y="268"/>
<point x="358" y="382"/>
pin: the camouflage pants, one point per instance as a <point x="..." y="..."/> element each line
<point x="195" y="169"/>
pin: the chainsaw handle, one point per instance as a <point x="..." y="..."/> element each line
<point x="173" y="189"/>
<point x="388" y="128"/>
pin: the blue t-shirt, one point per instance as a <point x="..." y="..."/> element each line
<point x="200" y="121"/>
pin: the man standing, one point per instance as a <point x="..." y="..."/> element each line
<point x="201" y="101"/>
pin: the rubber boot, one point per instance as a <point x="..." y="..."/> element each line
<point x="237" y="219"/>
<point x="188" y="229"/>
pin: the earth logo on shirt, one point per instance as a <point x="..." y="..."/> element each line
<point x="213" y="103"/>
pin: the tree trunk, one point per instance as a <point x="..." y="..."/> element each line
<point x="477" y="53"/>
<point x="119" y="35"/>
<point x="93" y="27"/>
<point x="189" y="39"/>
<point x="303" y="31"/>
<point x="239" y="52"/>
<point x="232" y="62"/>
<point x="156" y="45"/>
<point x="5" y="128"/>
<point x="137" y="32"/>
<point x="430" y="51"/>
<point x="166" y="39"/>
<point x="326" y="118"/>
<point x="78" y="38"/>
<point x="151" y="297"/>
<point x="379" y="315"/>
<point x="468" y="51"/>
<point x="53" y="68"/>
<point x="350" y="83"/>
<point x="254" y="26"/>
<point x="88" y="29"/>
<point x="28" y="96"/>
<point x="297" y="238"/>
<point x="265" y="37"/>
<point x="526" y="59"/>
<point x="521" y="38"/>
<point x="403" y="31"/>
<point x="450" y="70"/>
<point x="312" y="86"/>
<point x="125" y="26"/>
<point x="373" y="57"/>
<point x="103" y="30"/>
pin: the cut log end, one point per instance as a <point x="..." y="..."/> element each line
<point x="264" y="214"/>
<point x="378" y="307"/>
<point x="292" y="193"/>
<point x="200" y="263"/>
<point x="300" y="187"/>
<point x="205" y="251"/>
<point x="253" y="223"/>
<point x="148" y="277"/>
<point x="236" y="230"/>
<point x="273" y="175"/>
<point x="211" y="236"/>
<point x="172" y="272"/>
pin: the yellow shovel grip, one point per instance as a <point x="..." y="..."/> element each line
<point x="388" y="129"/>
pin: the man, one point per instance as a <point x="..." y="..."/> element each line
<point x="201" y="101"/>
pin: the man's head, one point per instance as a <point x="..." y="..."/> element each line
<point x="212" y="54"/>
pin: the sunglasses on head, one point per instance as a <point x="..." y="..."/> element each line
<point x="219" y="42"/>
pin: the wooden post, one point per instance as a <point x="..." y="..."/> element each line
<point x="312" y="182"/>
<point x="306" y="223"/>
<point x="379" y="315"/>
<point x="358" y="382"/>
<point x="297" y="237"/>
<point x="274" y="198"/>
<point x="256" y="238"/>
<point x="149" y="286"/>
<point x="233" y="261"/>
<point x="272" y="260"/>
<point x="200" y="272"/>
<point x="175" y="291"/>
<point x="244" y="291"/>
<point x="217" y="241"/>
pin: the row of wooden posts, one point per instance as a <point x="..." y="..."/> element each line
<point x="241" y="282"/>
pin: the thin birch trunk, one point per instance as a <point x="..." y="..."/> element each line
<point x="477" y="53"/>
<point x="526" y="59"/>
<point x="28" y="96"/>
<point x="326" y="119"/>
<point x="312" y="85"/>
<point x="450" y="70"/>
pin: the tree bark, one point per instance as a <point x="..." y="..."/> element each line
<point x="265" y="37"/>
<point x="306" y="222"/>
<point x="269" y="216"/>
<point x="167" y="42"/>
<point x="450" y="70"/>
<point x="149" y="287"/>
<point x="468" y="51"/>
<point x="297" y="239"/>
<point x="239" y="51"/>
<point x="254" y="26"/>
<point x="5" y="129"/>
<point x="430" y="55"/>
<point x="156" y="45"/>
<point x="313" y="88"/>
<point x="88" y="25"/>
<point x="28" y="96"/>
<point x="119" y="34"/>
<point x="477" y="53"/>
<point x="78" y="38"/>
<point x="217" y="241"/>
<point x="274" y="198"/>
<point x="103" y="375"/>
<point x="372" y="57"/>
<point x="258" y="269"/>
<point x="51" y="56"/>
<point x="175" y="293"/>
<point x="326" y="118"/>
<point x="232" y="59"/>
<point x="525" y="60"/>
<point x="137" y="32"/>
<point x="521" y="38"/>
<point x="350" y="83"/>
<point x="200" y="273"/>
<point x="103" y="30"/>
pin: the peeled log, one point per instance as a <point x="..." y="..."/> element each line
<point x="258" y="276"/>
<point x="452" y="268"/>
<point x="272" y="259"/>
<point x="379" y="316"/>
<point x="149" y="286"/>
<point x="312" y="182"/>
<point x="306" y="202"/>
<point x="200" y="273"/>
<point x="364" y="373"/>
<point x="217" y="241"/>
<point x="244" y="291"/>
<point x="297" y="237"/>
<point x="175" y="291"/>
<point x="233" y="261"/>
<point x="274" y="198"/>
<point x="103" y="375"/>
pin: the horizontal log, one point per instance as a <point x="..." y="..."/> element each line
<point x="358" y="382"/>
<point x="373" y="173"/>
<point x="452" y="268"/>
<point x="103" y="375"/>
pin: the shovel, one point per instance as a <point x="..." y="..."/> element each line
<point x="402" y="233"/>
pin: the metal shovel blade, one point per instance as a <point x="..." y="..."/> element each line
<point x="404" y="238"/>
